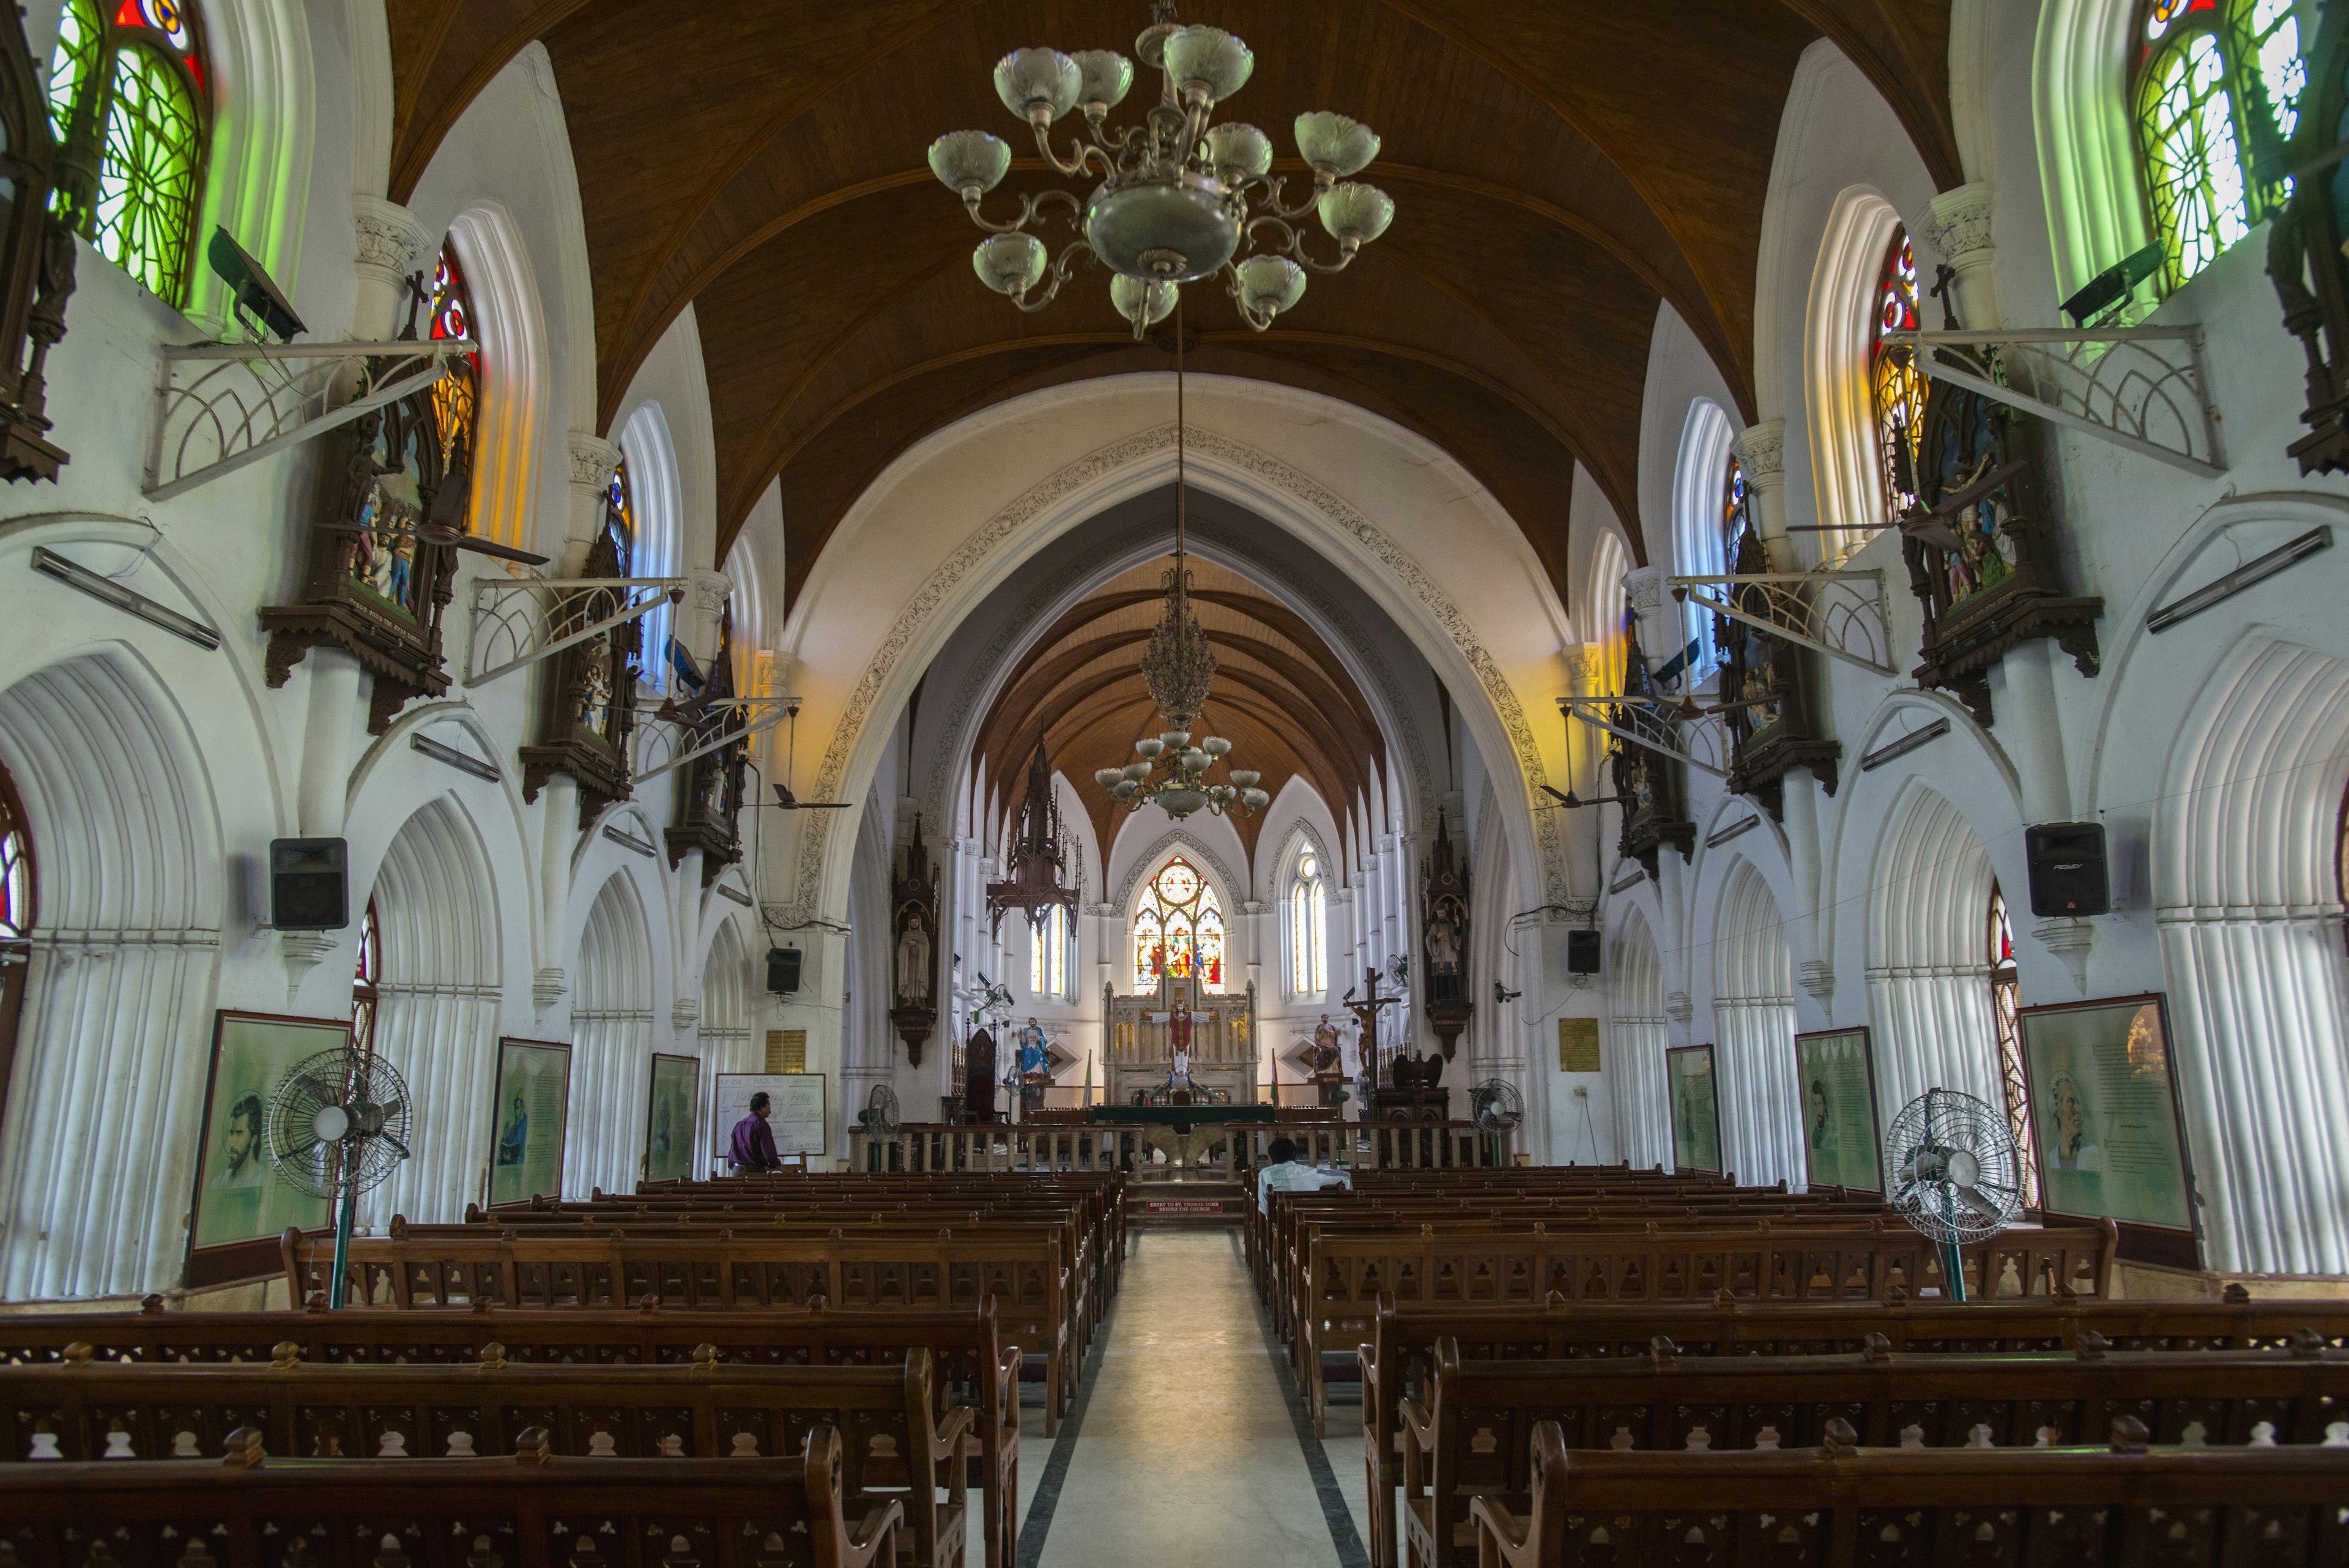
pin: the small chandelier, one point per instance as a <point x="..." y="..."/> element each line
<point x="1178" y="667"/>
<point x="1176" y="194"/>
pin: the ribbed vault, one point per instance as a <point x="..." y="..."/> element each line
<point x="1561" y="168"/>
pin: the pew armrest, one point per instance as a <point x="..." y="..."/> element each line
<point x="946" y="1437"/>
<point x="1511" y="1540"/>
<point x="1006" y="1389"/>
<point x="874" y="1539"/>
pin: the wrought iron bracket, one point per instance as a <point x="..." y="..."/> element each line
<point x="219" y="406"/>
<point x="513" y="623"/>
<point x="2142" y="387"/>
<point x="1587" y="708"/>
<point x="779" y="710"/>
<point x="1824" y="611"/>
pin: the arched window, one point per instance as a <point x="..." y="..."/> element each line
<point x="457" y="396"/>
<point x="1047" y="954"/>
<point x="1179" y="930"/>
<point x="1734" y="516"/>
<point x="1895" y="388"/>
<point x="2217" y="89"/>
<point x="2005" y="1002"/>
<point x="1308" y="927"/>
<point x="620" y="523"/>
<point x="364" y="977"/>
<point x="17" y="910"/>
<point x="128" y="97"/>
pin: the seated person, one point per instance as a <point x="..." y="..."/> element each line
<point x="1283" y="1171"/>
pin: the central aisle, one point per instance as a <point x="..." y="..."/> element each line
<point x="1188" y="1448"/>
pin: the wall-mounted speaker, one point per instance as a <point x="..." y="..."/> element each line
<point x="2067" y="869"/>
<point x="1582" y="953"/>
<point x="309" y="885"/>
<point x="783" y="970"/>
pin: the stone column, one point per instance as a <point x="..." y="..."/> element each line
<point x="392" y="245"/>
<point x="1762" y="449"/>
<point x="1659" y="631"/>
<point x="1957" y="225"/>
<point x="705" y="605"/>
<point x="593" y="462"/>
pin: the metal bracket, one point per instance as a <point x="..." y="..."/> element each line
<point x="2142" y="387"/>
<point x="1836" y="619"/>
<point x="782" y="707"/>
<point x="508" y="620"/>
<point x="1586" y="710"/>
<point x="219" y="406"/>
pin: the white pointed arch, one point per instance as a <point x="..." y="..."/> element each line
<point x="509" y="323"/>
<point x="612" y="1035"/>
<point x="1640" y="1032"/>
<point x="657" y="492"/>
<point x="1698" y="475"/>
<point x="1754" y="1016"/>
<point x="1838" y="337"/>
<point x="1929" y="955"/>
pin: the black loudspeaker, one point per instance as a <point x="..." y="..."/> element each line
<point x="309" y="888"/>
<point x="1582" y="953"/>
<point x="2067" y="869"/>
<point x="783" y="970"/>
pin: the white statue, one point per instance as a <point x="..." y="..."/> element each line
<point x="914" y="963"/>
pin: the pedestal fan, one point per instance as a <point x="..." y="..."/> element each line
<point x="337" y="1124"/>
<point x="1955" y="1174"/>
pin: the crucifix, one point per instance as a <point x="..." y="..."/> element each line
<point x="1366" y="1013"/>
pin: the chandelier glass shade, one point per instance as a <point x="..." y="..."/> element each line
<point x="1179" y="198"/>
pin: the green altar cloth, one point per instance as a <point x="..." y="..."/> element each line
<point x="1172" y="1116"/>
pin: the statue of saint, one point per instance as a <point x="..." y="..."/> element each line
<point x="1443" y="960"/>
<point x="1035" y="1062"/>
<point x="914" y="963"/>
<point x="1325" y="1048"/>
<point x="1178" y="1034"/>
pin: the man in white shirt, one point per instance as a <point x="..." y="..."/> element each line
<point x="1284" y="1172"/>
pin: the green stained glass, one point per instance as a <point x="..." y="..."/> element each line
<point x="2194" y="164"/>
<point x="80" y="39"/>
<point x="146" y="187"/>
<point x="2271" y="33"/>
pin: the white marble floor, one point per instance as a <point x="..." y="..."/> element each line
<point x="1186" y="1449"/>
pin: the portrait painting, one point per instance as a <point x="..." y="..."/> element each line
<point x="239" y="1195"/>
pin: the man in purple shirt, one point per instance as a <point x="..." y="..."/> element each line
<point x="755" y="1140"/>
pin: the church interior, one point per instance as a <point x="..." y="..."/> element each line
<point x="1577" y="784"/>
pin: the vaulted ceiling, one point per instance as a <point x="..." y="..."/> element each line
<point x="1281" y="697"/>
<point x="1560" y="166"/>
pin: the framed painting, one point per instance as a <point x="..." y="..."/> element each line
<point x="1842" y="1145"/>
<point x="241" y="1204"/>
<point x="2110" y="1135"/>
<point x="531" y="1114"/>
<point x="669" y="1124"/>
<point x="1696" y="1109"/>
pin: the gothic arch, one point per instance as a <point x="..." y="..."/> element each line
<point x="1753" y="1016"/>
<point x="509" y="323"/>
<point x="2087" y="154"/>
<point x="612" y="1036"/>
<point x="1837" y="339"/>
<point x="1641" y="1032"/>
<point x="1928" y="961"/>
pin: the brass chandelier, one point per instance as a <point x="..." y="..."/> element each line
<point x="1177" y="195"/>
<point x="1178" y="666"/>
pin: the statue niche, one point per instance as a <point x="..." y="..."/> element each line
<point x="371" y="584"/>
<point x="1766" y="696"/>
<point x="1443" y="919"/>
<point x="1652" y="786"/>
<point x="913" y="948"/>
<point x="709" y="807"/>
<point x="590" y="713"/>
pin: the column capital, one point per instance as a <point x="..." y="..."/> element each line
<point x="1644" y="587"/>
<point x="393" y="242"/>
<point x="1957" y="221"/>
<point x="593" y="461"/>
<point x="1763" y="449"/>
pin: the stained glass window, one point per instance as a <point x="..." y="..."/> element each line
<point x="1047" y="954"/>
<point x="129" y="95"/>
<point x="364" y="979"/>
<point x="2006" y="998"/>
<point x="1309" y="929"/>
<point x="2218" y="90"/>
<point x="1733" y="512"/>
<point x="456" y="397"/>
<point x="1179" y="930"/>
<point x="1897" y="391"/>
<point x="15" y="870"/>
<point x="620" y="517"/>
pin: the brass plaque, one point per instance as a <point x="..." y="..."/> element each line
<point x="787" y="1050"/>
<point x="1578" y="1045"/>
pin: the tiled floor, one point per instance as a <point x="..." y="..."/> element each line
<point x="1187" y="1447"/>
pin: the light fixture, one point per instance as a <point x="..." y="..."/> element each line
<point x="1178" y="666"/>
<point x="1177" y="195"/>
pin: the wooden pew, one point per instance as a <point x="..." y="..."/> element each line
<point x="1471" y="1434"/>
<point x="1034" y="1301"/>
<point x="1396" y="1356"/>
<point x="100" y="1411"/>
<point x="1842" y="1506"/>
<point x="972" y="1365"/>
<point x="532" y="1510"/>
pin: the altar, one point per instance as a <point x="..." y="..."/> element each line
<point x="1216" y="1034"/>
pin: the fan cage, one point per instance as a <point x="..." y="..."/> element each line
<point x="348" y="1078"/>
<point x="1929" y="1130"/>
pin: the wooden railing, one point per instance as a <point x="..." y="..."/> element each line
<point x="1224" y="1151"/>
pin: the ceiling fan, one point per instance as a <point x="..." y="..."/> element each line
<point x="784" y="799"/>
<point x="435" y="533"/>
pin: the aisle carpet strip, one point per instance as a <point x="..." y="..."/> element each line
<point x="1342" y="1534"/>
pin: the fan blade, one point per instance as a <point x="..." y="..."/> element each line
<point x="456" y="541"/>
<point x="397" y="1145"/>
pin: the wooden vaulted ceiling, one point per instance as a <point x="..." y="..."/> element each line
<point x="1280" y="697"/>
<point x="1559" y="167"/>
